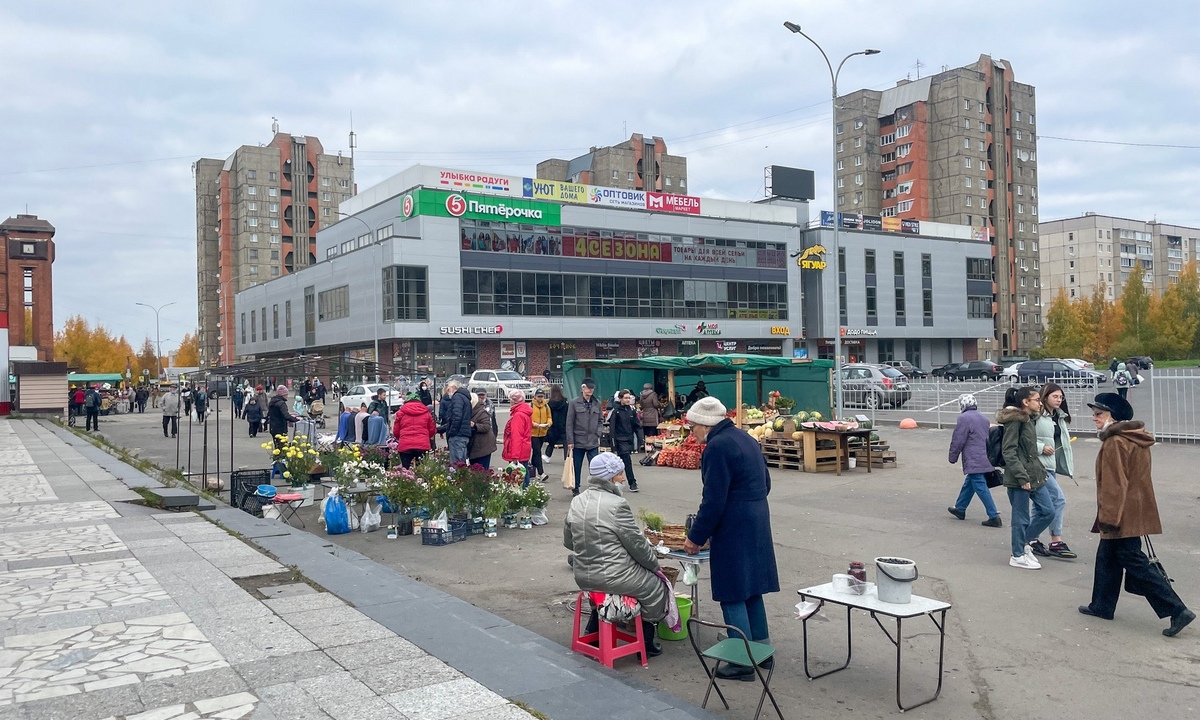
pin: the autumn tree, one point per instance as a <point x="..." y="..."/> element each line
<point x="1173" y="331"/>
<point x="188" y="354"/>
<point x="91" y="350"/>
<point x="147" y="359"/>
<point x="1136" y="335"/>
<point x="1188" y="288"/>
<point x="1066" y="331"/>
<point x="1104" y="323"/>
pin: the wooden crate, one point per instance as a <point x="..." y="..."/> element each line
<point x="783" y="454"/>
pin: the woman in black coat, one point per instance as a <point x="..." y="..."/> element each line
<point x="558" y="422"/>
<point x="278" y="416"/>
<point x="734" y="515"/>
<point x="623" y="426"/>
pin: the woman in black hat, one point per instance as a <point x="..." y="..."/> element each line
<point x="1126" y="510"/>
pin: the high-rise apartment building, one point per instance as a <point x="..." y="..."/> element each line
<point x="956" y="147"/>
<point x="639" y="163"/>
<point x="257" y="216"/>
<point x="1081" y="254"/>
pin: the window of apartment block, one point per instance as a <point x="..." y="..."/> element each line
<point x="979" y="306"/>
<point x="274" y="322"/>
<point x="272" y="192"/>
<point x="272" y="176"/>
<point x="966" y="123"/>
<point x="252" y="206"/>
<point x="967" y="162"/>
<point x="287" y="318"/>
<point x="857" y="160"/>
<point x="900" y="306"/>
<point x="904" y="205"/>
<point x="1030" y="118"/>
<point x="344" y="183"/>
<point x="330" y="252"/>
<point x="841" y="146"/>
<point x="872" y="309"/>
<point x="1034" y="244"/>
<point x="253" y="237"/>
<point x="898" y="262"/>
<point x="253" y="254"/>
<point x="251" y="190"/>
<point x="405" y="293"/>
<point x="274" y="271"/>
<point x="980" y="108"/>
<point x="841" y="199"/>
<point x="1071" y="264"/>
<point x="345" y="197"/>
<point x="858" y="179"/>
<point x="243" y="328"/>
<point x="966" y="104"/>
<point x="858" y="197"/>
<point x="326" y="196"/>
<point x="253" y="269"/>
<point x="979" y="269"/>
<point x="252" y="222"/>
<point x="274" y="222"/>
<point x="1020" y="208"/>
<point x="981" y="146"/>
<point x="1033" y="209"/>
<point x="1021" y="243"/>
<point x="966" y="143"/>
<point x="927" y="302"/>
<point x="967" y="183"/>
<point x="840" y="128"/>
<point x="902" y="151"/>
<point x="841" y="182"/>
<point x="616" y="175"/>
<point x="1021" y="228"/>
<point x="325" y="212"/>
<point x="274" y="239"/>
<point x="274" y="207"/>
<point x="324" y="182"/>
<point x="841" y="165"/>
<point x="858" y="142"/>
<point x="667" y="181"/>
<point x="253" y="326"/>
<point x="869" y="261"/>
<point x="969" y="202"/>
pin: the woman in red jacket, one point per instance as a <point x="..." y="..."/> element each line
<point x="413" y="429"/>
<point x="518" y="433"/>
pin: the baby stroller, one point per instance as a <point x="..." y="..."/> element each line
<point x="316" y="413"/>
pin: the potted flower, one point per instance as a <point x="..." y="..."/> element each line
<point x="495" y="506"/>
<point x="297" y="457"/>
<point x="404" y="492"/>
<point x="536" y="498"/>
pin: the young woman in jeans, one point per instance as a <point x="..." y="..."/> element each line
<point x="1024" y="476"/>
<point x="1054" y="444"/>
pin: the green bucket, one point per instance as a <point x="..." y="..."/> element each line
<point x="685" y="612"/>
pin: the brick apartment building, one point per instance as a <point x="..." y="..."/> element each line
<point x="257" y="217"/>
<point x="27" y="278"/>
<point x="956" y="147"/>
<point x="626" y="165"/>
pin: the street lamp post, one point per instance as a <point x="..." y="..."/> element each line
<point x="833" y="78"/>
<point x="375" y="315"/>
<point x="157" y="333"/>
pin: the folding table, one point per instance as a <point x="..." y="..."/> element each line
<point x="698" y="560"/>
<point x="871" y="603"/>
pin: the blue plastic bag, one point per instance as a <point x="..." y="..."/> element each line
<point x="384" y="504"/>
<point x="337" y="515"/>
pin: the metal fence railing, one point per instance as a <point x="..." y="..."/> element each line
<point x="1167" y="400"/>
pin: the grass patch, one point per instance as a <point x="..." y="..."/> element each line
<point x="1177" y="363"/>
<point x="529" y="710"/>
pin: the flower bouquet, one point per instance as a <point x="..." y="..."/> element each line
<point x="297" y="457"/>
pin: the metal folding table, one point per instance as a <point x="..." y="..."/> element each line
<point x="871" y="603"/>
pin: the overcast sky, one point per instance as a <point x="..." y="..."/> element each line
<point x="106" y="105"/>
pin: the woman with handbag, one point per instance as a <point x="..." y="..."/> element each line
<point x="1125" y="511"/>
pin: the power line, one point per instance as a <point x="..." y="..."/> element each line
<point x="1118" y="142"/>
<point x="100" y="165"/>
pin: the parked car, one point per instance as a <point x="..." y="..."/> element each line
<point x="874" y="386"/>
<point x="1059" y="371"/>
<point x="1081" y="364"/>
<point x="941" y="371"/>
<point x="499" y="383"/>
<point x="910" y="371"/>
<point x="1010" y="360"/>
<point x="975" y="370"/>
<point x="1011" y="373"/>
<point x="359" y="394"/>
<point x="1145" y="362"/>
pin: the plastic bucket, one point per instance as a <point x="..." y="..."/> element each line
<point x="685" y="612"/>
<point x="852" y="461"/>
<point x="894" y="578"/>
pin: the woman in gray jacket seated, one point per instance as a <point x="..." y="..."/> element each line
<point x="611" y="554"/>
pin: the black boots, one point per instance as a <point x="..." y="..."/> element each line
<point x="593" y="623"/>
<point x="650" y="635"/>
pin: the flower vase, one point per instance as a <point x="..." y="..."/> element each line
<point x="392" y="533"/>
<point x="306" y="490"/>
<point x="489" y="527"/>
<point x="509" y="520"/>
<point x="526" y="523"/>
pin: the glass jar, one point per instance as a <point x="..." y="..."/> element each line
<point x="858" y="571"/>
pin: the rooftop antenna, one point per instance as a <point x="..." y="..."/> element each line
<point x="353" y="144"/>
<point x="918" y="66"/>
<point x="624" y="129"/>
<point x="274" y="126"/>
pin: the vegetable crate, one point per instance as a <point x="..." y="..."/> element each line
<point x="783" y="454"/>
<point x="437" y="536"/>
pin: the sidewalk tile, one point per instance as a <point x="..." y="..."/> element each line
<point x="375" y="652"/>
<point x="444" y="700"/>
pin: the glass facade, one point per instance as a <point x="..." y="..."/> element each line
<point x="552" y="294"/>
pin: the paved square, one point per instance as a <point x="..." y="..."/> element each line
<point x="58" y="542"/>
<point x="12" y="516"/>
<point x="24" y="489"/>
<point x="50" y="590"/>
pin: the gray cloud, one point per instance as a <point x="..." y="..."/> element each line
<point x="500" y="85"/>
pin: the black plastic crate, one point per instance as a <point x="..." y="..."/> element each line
<point x="437" y="536"/>
<point x="243" y="484"/>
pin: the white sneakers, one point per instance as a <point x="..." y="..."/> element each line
<point x="1026" y="561"/>
<point x="545" y="459"/>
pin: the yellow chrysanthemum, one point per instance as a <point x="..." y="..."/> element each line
<point x="286" y="474"/>
<point x="275" y="451"/>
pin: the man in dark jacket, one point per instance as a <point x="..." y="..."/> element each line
<point x="380" y="404"/>
<point x="1126" y="510"/>
<point x="91" y="406"/>
<point x="623" y="426"/>
<point x="278" y="416"/>
<point x="734" y="515"/>
<point x="456" y="421"/>
<point x="970" y="441"/>
<point x="583" y="428"/>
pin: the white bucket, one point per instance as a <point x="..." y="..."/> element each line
<point x="853" y="462"/>
<point x="894" y="578"/>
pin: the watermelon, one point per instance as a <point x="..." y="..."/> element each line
<point x="801" y="416"/>
<point x="815" y="416"/>
<point x="777" y="426"/>
<point x="865" y="425"/>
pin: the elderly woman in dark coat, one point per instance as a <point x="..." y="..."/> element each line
<point x="1125" y="511"/>
<point x="735" y="516"/>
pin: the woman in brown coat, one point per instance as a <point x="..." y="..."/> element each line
<point x="1126" y="510"/>
<point x="483" y="437"/>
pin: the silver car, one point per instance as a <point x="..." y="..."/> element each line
<point x="499" y="383"/>
<point x="874" y="386"/>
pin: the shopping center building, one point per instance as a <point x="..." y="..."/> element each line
<point x="449" y="271"/>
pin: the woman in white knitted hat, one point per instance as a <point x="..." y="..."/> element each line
<point x="735" y="516"/>
<point x="611" y="554"/>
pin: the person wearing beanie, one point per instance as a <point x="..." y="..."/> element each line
<point x="278" y="416"/>
<point x="1125" y="511"/>
<point x="970" y="442"/>
<point x="518" y="433"/>
<point x="612" y="556"/>
<point x="583" y="428"/>
<point x="735" y="518"/>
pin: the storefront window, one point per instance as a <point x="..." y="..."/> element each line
<point x="560" y="351"/>
<point x="445" y="357"/>
<point x="649" y="348"/>
<point x="608" y="349"/>
<point x="887" y="350"/>
<point x="687" y="348"/>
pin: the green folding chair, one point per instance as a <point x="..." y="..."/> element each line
<point x="734" y="651"/>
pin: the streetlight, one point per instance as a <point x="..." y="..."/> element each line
<point x="833" y="78"/>
<point x="157" y="333"/>
<point x="374" y="315"/>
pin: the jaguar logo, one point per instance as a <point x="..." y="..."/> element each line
<point x="813" y="258"/>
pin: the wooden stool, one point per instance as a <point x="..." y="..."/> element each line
<point x="605" y="645"/>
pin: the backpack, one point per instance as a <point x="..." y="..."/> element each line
<point x="1121" y="379"/>
<point x="89" y="399"/>
<point x="995" y="446"/>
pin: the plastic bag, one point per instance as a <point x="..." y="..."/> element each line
<point x="568" y="477"/>
<point x="691" y="573"/>
<point x="372" y="518"/>
<point x="270" y="512"/>
<point x="538" y="516"/>
<point x="321" y="515"/>
<point x="385" y="505"/>
<point x="336" y="514"/>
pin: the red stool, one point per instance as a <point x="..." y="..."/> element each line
<point x="605" y="645"/>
